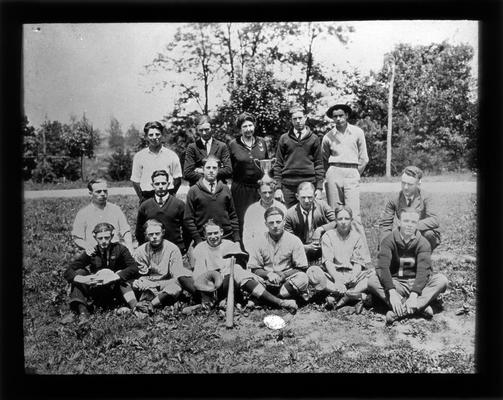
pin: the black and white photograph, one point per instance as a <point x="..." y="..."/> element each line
<point x="250" y="197"/>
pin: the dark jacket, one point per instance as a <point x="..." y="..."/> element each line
<point x="393" y="249"/>
<point x="299" y="161"/>
<point x="118" y="259"/>
<point x="323" y="215"/>
<point x="170" y="214"/>
<point x="196" y="153"/>
<point x="422" y="202"/>
<point x="244" y="169"/>
<point x="201" y="205"/>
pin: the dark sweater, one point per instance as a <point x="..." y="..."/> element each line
<point x="196" y="153"/>
<point x="244" y="169"/>
<point x="170" y="214"/>
<point x="119" y="260"/>
<point x="201" y="205"/>
<point x="299" y="161"/>
<point x="393" y="249"/>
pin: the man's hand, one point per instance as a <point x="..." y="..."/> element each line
<point x="411" y="303"/>
<point x="143" y="284"/>
<point x="84" y="279"/>
<point x="199" y="171"/>
<point x="278" y="195"/>
<point x="90" y="249"/>
<point x="311" y="247"/>
<point x="274" y="278"/>
<point x="318" y="194"/>
<point x="396" y="303"/>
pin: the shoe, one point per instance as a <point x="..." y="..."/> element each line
<point x="122" y="310"/>
<point x="359" y="307"/>
<point x="329" y="302"/>
<point x="391" y="317"/>
<point x="145" y="307"/>
<point x="347" y="298"/>
<point x="190" y="309"/>
<point x="290" y="305"/>
<point x="427" y="313"/>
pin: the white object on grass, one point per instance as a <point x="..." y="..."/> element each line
<point x="274" y="322"/>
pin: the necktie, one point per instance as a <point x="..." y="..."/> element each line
<point x="212" y="185"/>
<point x="409" y="201"/>
<point x="208" y="147"/>
<point x="306" y="226"/>
<point x="299" y="134"/>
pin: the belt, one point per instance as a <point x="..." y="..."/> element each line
<point x="343" y="165"/>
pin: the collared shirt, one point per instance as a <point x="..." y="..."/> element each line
<point x="300" y="134"/>
<point x="161" y="200"/>
<point x="347" y="147"/>
<point x="162" y="263"/>
<point x="207" y="144"/>
<point x="308" y="218"/>
<point x="343" y="251"/>
<point x="91" y="215"/>
<point x="210" y="186"/>
<point x="254" y="223"/>
<point x="288" y="252"/>
<point x="145" y="162"/>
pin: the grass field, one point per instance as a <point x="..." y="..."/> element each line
<point x="314" y="340"/>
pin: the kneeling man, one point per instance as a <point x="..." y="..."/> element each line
<point x="210" y="258"/>
<point x="404" y="278"/>
<point x="278" y="257"/>
<point x="103" y="276"/>
<point x="161" y="268"/>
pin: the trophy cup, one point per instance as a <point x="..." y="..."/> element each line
<point x="265" y="166"/>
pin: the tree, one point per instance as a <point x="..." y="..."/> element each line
<point x="30" y="148"/>
<point x="81" y="139"/>
<point x="116" y="136"/>
<point x="133" y="138"/>
<point x="434" y="114"/>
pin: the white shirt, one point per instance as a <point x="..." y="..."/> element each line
<point x="161" y="199"/>
<point x="254" y="223"/>
<point x="208" y="144"/>
<point x="145" y="162"/>
<point x="208" y="185"/>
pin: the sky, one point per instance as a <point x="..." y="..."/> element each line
<point x="99" y="68"/>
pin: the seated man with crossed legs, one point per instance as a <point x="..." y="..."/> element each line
<point x="212" y="273"/>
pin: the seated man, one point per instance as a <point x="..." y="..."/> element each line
<point x="343" y="261"/>
<point x="163" y="207"/>
<point x="404" y="278"/>
<point x="162" y="274"/>
<point x="210" y="198"/>
<point x="309" y="220"/>
<point x="412" y="196"/>
<point x="99" y="210"/>
<point x="102" y="277"/>
<point x="209" y="258"/>
<point x="279" y="258"/>
<point x="254" y="224"/>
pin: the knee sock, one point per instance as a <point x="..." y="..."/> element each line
<point x="128" y="295"/>
<point x="258" y="291"/>
<point x="287" y="290"/>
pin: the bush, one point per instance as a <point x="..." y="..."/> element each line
<point x="43" y="172"/>
<point x="119" y="165"/>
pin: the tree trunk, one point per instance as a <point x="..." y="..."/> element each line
<point x="390" y="119"/>
<point x="82" y="167"/>
<point x="231" y="58"/>
<point x="309" y="68"/>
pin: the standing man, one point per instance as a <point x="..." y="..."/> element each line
<point x="204" y="146"/>
<point x="165" y="208"/>
<point x="279" y="258"/>
<point x="344" y="159"/>
<point x="162" y="275"/>
<point x="411" y="195"/>
<point x="100" y="210"/>
<point x="210" y="198"/>
<point x="152" y="158"/>
<point x="309" y="220"/>
<point x="404" y="279"/>
<point x="102" y="277"/>
<point x="298" y="159"/>
<point x="254" y="224"/>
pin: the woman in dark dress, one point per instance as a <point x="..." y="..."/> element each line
<point x="245" y="173"/>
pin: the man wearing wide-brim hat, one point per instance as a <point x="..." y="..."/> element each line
<point x="344" y="154"/>
<point x="212" y="270"/>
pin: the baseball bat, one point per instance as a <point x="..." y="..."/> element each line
<point x="229" y="314"/>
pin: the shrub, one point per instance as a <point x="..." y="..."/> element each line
<point x="119" y="165"/>
<point x="43" y="172"/>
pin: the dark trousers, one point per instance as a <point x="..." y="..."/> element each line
<point x="433" y="237"/>
<point x="289" y="192"/>
<point x="243" y="195"/>
<point x="100" y="295"/>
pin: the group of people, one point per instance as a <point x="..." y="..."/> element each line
<point x="285" y="244"/>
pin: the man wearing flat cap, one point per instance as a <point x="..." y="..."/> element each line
<point x="413" y="196"/>
<point x="344" y="154"/>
